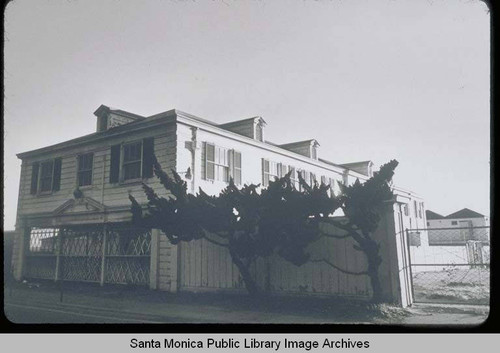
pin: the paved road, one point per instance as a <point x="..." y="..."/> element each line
<point x="33" y="314"/>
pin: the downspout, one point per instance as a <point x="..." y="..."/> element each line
<point x="194" y="147"/>
<point x="102" y="186"/>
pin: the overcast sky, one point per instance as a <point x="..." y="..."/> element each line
<point x="370" y="80"/>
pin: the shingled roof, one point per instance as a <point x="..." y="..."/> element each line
<point x="465" y="213"/>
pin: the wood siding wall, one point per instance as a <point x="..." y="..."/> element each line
<point x="101" y="190"/>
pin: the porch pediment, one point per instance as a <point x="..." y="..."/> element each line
<point x="82" y="205"/>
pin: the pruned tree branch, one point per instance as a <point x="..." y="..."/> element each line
<point x="339" y="268"/>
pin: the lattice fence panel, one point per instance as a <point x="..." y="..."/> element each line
<point x="128" y="256"/>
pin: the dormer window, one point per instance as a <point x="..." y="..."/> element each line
<point x="314" y="153"/>
<point x="307" y="148"/>
<point x="108" y="118"/>
<point x="259" y="129"/>
<point x="251" y="127"/>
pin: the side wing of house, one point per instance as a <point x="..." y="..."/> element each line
<point x="87" y="181"/>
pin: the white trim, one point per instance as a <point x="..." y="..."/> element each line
<point x="186" y="120"/>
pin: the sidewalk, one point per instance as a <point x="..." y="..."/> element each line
<point x="142" y="305"/>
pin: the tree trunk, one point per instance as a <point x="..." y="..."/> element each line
<point x="250" y="283"/>
<point x="371" y="250"/>
<point x="375" y="281"/>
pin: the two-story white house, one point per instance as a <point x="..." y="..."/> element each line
<point x="73" y="219"/>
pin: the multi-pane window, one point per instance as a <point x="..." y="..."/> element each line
<point x="46" y="174"/>
<point x="405" y="209"/>
<point x="222" y="163"/>
<point x="270" y="171"/>
<point x="85" y="162"/>
<point x="132" y="162"/>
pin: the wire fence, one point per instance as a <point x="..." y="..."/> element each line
<point x="450" y="265"/>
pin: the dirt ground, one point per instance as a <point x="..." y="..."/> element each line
<point x="454" y="285"/>
<point x="137" y="303"/>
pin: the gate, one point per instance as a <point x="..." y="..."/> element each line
<point x="450" y="265"/>
<point x="101" y="254"/>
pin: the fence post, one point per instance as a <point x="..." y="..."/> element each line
<point x="103" y="258"/>
<point x="407" y="232"/>
<point x="61" y="268"/>
<point x="58" y="245"/>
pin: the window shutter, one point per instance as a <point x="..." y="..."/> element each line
<point x="147" y="157"/>
<point x="114" y="173"/>
<point x="56" y="183"/>
<point x="209" y="161"/>
<point x="34" y="177"/>
<point x="237" y="167"/>
<point x="265" y="172"/>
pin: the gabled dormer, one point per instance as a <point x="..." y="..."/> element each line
<point x="308" y="148"/>
<point x="252" y="127"/>
<point x="108" y="118"/>
<point x="365" y="167"/>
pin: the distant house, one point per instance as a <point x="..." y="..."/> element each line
<point x="462" y="238"/>
<point x="464" y="220"/>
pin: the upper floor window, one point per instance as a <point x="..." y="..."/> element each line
<point x="85" y="162"/>
<point x="131" y="161"/>
<point x="454" y="223"/>
<point x="46" y="176"/>
<point x="405" y="209"/>
<point x="222" y="164"/>
<point x="270" y="171"/>
<point x="415" y="208"/>
<point x="217" y="163"/>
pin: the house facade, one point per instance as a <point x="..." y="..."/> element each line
<point x="73" y="220"/>
<point x="460" y="238"/>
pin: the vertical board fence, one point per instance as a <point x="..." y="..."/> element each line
<point x="205" y="266"/>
